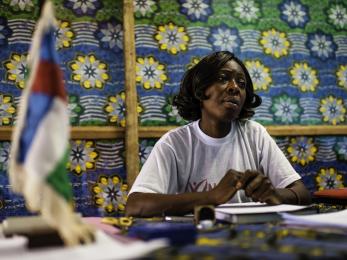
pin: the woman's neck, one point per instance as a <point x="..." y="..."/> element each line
<point x="215" y="129"/>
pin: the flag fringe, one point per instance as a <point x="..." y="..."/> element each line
<point x="60" y="215"/>
<point x="41" y="197"/>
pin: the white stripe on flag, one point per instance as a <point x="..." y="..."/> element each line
<point x="50" y="141"/>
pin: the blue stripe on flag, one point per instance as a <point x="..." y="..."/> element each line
<point x="38" y="106"/>
<point x="48" y="51"/>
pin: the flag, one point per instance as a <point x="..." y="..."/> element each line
<point x="40" y="142"/>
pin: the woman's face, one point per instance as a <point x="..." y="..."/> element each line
<point x="225" y="97"/>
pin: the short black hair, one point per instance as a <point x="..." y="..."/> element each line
<point x="197" y="79"/>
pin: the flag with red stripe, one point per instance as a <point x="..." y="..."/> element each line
<point x="40" y="143"/>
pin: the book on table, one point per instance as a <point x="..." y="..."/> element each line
<point x="255" y="212"/>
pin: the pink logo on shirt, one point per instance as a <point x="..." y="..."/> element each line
<point x="203" y="185"/>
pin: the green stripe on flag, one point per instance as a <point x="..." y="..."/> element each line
<point x="59" y="179"/>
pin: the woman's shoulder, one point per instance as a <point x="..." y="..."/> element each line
<point x="178" y="134"/>
<point x="251" y="128"/>
<point x="251" y="125"/>
<point x="180" y="130"/>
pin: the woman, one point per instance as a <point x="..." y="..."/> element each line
<point x="221" y="156"/>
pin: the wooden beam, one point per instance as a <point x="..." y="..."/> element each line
<point x="82" y="132"/>
<point x="310" y="130"/>
<point x="290" y="130"/>
<point x="97" y="132"/>
<point x="110" y="132"/>
<point x="131" y="132"/>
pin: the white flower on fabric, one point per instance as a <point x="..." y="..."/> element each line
<point x="110" y="193"/>
<point x="246" y="10"/>
<point x="196" y="9"/>
<point x="174" y="113"/>
<point x="302" y="150"/>
<point x="172" y="38"/>
<point x="84" y="5"/>
<point x="116" y="109"/>
<point x="83" y="156"/>
<point x="145" y="150"/>
<point x="173" y="117"/>
<point x="304" y="77"/>
<point x="275" y="43"/>
<point x="333" y="110"/>
<point x="286" y="109"/>
<point x="75" y="109"/>
<point x="338" y="16"/>
<point x="71" y="108"/>
<point x="294" y="13"/>
<point x="144" y="7"/>
<point x="113" y="35"/>
<point x="329" y="178"/>
<point x="22" y="4"/>
<point x="260" y="74"/>
<point x="322" y="46"/>
<point x="17" y="69"/>
<point x="90" y="72"/>
<point x="150" y="73"/>
<point x="7" y="110"/>
<point x="63" y="34"/>
<point x="225" y="38"/>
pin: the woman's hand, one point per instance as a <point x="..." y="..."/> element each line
<point x="227" y="187"/>
<point x="259" y="188"/>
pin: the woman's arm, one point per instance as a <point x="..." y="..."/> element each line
<point x="154" y="204"/>
<point x="276" y="166"/>
<point x="259" y="188"/>
<point x="295" y="193"/>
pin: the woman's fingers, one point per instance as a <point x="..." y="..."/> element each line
<point x="254" y="185"/>
<point x="227" y="187"/>
<point x="259" y="188"/>
<point x="270" y="197"/>
<point x="247" y="177"/>
<point x="262" y="189"/>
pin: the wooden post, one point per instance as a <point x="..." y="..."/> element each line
<point x="131" y="131"/>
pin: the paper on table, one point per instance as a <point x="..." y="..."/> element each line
<point x="256" y="208"/>
<point x="104" y="247"/>
<point x="96" y="222"/>
<point x="333" y="219"/>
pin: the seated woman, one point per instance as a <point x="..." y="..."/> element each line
<point x="221" y="156"/>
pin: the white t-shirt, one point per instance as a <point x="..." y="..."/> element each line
<point x="187" y="160"/>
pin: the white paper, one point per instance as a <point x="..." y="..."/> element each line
<point x="256" y="208"/>
<point x="105" y="247"/>
<point x="334" y="219"/>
